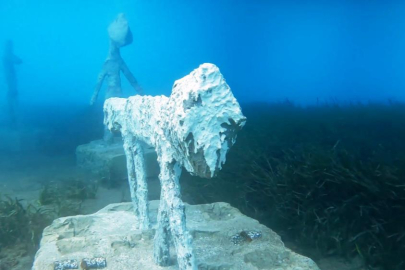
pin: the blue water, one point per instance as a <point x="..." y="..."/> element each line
<point x="267" y="50"/>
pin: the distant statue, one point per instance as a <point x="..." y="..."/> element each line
<point x="9" y="62"/>
<point x="120" y="36"/>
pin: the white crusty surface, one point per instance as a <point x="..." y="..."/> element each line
<point x="195" y="126"/>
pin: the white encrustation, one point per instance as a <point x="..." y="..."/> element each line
<point x="193" y="128"/>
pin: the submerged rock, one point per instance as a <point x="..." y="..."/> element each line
<point x="108" y="161"/>
<point x="111" y="234"/>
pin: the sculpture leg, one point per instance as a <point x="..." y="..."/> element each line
<point x="142" y="185"/>
<point x="137" y="180"/>
<point x="174" y="209"/>
<point x="161" y="251"/>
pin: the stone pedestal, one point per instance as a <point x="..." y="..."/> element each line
<point x="108" y="161"/>
<point x="223" y="239"/>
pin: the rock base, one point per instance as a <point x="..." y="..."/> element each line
<point x="223" y="239"/>
<point x="108" y="161"/>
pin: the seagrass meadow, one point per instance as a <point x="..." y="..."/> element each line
<point x="329" y="178"/>
<point x="22" y="222"/>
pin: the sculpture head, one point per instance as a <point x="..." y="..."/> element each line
<point x="119" y="31"/>
<point x="204" y="120"/>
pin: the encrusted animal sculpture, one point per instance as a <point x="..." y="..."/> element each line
<point x="193" y="128"/>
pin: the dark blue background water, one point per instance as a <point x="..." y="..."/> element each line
<point x="267" y="50"/>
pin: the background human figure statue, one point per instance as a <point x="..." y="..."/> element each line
<point x="9" y="62"/>
<point x="120" y="36"/>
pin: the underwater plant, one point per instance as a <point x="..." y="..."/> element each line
<point x="13" y="220"/>
<point x="21" y="227"/>
<point x="22" y="224"/>
<point x="66" y="196"/>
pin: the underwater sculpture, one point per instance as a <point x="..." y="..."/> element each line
<point x="193" y="128"/>
<point x="120" y="36"/>
<point x="9" y="62"/>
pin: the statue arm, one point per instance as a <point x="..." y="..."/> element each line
<point x="97" y="88"/>
<point x="131" y="78"/>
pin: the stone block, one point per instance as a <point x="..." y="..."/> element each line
<point x="108" y="161"/>
<point x="223" y="239"/>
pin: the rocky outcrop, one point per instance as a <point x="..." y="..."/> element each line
<point x="223" y="239"/>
